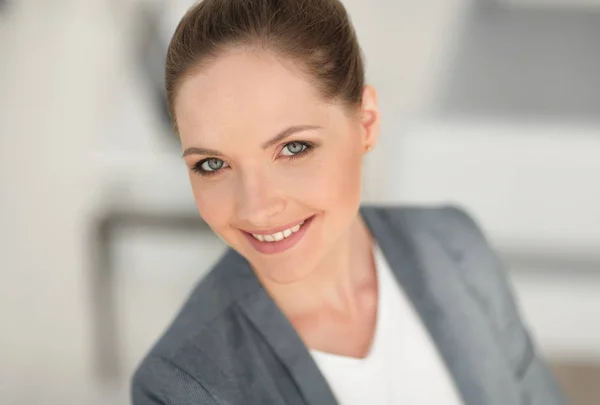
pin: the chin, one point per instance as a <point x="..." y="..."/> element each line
<point x="286" y="268"/>
<point x="290" y="267"/>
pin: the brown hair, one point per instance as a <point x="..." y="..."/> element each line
<point x="317" y="34"/>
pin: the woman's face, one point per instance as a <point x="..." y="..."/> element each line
<point x="275" y="170"/>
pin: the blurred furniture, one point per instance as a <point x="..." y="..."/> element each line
<point x="525" y="62"/>
<point x="581" y="382"/>
<point x="105" y="326"/>
<point x="147" y="195"/>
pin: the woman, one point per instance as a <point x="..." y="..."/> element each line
<point x="319" y="301"/>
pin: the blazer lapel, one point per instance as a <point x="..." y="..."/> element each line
<point x="285" y="342"/>
<point x="459" y="328"/>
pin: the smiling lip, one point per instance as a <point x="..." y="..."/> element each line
<point x="275" y="230"/>
<point x="282" y="245"/>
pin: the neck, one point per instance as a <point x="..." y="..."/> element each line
<point x="336" y="280"/>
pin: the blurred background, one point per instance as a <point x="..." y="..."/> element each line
<point x="494" y="105"/>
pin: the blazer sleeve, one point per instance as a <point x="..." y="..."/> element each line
<point x="159" y="382"/>
<point x="539" y="386"/>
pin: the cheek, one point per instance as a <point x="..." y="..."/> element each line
<point x="333" y="179"/>
<point x="344" y="183"/>
<point x="213" y="202"/>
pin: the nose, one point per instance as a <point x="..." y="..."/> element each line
<point x="259" y="201"/>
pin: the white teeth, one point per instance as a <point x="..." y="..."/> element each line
<point x="276" y="237"/>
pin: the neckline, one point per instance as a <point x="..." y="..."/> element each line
<point x="375" y="344"/>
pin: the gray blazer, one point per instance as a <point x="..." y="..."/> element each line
<point x="231" y="345"/>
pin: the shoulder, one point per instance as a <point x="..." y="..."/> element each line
<point x="208" y="302"/>
<point x="458" y="234"/>
<point x="451" y="225"/>
<point x="448" y="242"/>
<point x="427" y="216"/>
<point x="199" y="330"/>
<point x="452" y="230"/>
<point x="159" y="381"/>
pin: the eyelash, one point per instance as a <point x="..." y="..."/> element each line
<point x="309" y="147"/>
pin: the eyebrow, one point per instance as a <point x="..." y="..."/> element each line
<point x="277" y="138"/>
<point x="200" y="151"/>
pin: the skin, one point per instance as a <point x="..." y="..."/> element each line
<point x="326" y="283"/>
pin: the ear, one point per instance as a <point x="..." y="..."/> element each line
<point x="369" y="118"/>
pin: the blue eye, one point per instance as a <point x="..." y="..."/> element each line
<point x="212" y="164"/>
<point x="294" y="148"/>
<point x="209" y="166"/>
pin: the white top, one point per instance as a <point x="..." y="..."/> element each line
<point x="403" y="365"/>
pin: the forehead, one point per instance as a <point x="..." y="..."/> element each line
<point x="249" y="91"/>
